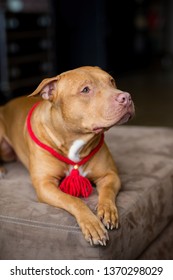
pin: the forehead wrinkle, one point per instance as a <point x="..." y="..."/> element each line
<point x="86" y="82"/>
<point x="77" y="79"/>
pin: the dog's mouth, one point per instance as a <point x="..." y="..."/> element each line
<point x="98" y="129"/>
<point x="124" y="119"/>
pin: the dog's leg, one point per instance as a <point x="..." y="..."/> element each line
<point x="6" y="151"/>
<point x="91" y="226"/>
<point x="6" y="155"/>
<point x="108" y="188"/>
<point x="2" y="171"/>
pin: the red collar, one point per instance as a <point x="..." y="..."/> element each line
<point x="52" y="151"/>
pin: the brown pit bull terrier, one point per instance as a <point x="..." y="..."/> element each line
<point x="75" y="109"/>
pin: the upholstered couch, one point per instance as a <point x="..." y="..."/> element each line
<point x="144" y="156"/>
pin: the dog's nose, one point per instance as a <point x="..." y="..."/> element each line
<point x="124" y="98"/>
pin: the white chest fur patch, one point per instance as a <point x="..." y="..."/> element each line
<point x="73" y="154"/>
<point x="75" y="148"/>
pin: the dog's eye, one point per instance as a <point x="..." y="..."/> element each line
<point x="86" y="90"/>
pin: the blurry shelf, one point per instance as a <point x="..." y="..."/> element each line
<point x="28" y="58"/>
<point x="29" y="53"/>
<point x="27" y="82"/>
<point x="26" y="35"/>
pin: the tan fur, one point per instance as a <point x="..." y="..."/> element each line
<point x="66" y="114"/>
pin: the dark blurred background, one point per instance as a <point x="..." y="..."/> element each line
<point x="131" y="39"/>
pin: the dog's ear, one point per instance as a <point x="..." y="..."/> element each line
<point x="98" y="67"/>
<point x="46" y="88"/>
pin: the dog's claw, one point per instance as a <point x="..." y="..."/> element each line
<point x="104" y="242"/>
<point x="91" y="241"/>
<point x="117" y="225"/>
<point x="112" y="227"/>
<point x="108" y="225"/>
<point x="100" y="242"/>
<point x="107" y="235"/>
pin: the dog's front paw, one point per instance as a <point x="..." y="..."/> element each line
<point x="108" y="214"/>
<point x="93" y="230"/>
<point x="2" y="172"/>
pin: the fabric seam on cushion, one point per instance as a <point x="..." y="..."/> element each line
<point x="32" y="223"/>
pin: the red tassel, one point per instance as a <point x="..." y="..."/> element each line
<point x="76" y="185"/>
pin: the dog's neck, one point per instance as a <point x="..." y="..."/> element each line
<point x="55" y="134"/>
<point x="74" y="146"/>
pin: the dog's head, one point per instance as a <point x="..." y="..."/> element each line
<point x="87" y="99"/>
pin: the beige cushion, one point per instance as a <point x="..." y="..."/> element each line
<point x="33" y="230"/>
